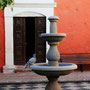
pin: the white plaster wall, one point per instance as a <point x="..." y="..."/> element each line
<point x="21" y="8"/>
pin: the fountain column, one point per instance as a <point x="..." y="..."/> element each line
<point x="53" y="25"/>
<point x="53" y="55"/>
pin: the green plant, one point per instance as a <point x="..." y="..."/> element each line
<point x="4" y="3"/>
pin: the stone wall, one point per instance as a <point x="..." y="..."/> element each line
<point x="75" y="22"/>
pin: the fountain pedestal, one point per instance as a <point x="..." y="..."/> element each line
<point x="52" y="70"/>
<point x="53" y="84"/>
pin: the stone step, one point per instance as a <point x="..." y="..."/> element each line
<point x="21" y="69"/>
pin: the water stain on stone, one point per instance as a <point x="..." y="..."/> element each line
<point x="77" y="9"/>
<point x="85" y="23"/>
<point x="70" y="26"/>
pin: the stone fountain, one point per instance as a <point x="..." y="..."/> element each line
<point x="52" y="70"/>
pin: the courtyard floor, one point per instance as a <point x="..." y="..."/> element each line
<point x="31" y="77"/>
<point x="41" y="86"/>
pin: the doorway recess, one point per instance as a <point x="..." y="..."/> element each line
<point x="27" y="40"/>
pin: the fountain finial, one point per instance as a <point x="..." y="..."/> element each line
<point x="53" y="26"/>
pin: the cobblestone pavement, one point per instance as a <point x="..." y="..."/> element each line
<point x="41" y="86"/>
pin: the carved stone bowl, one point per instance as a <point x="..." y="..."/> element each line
<point x="53" y="37"/>
<point x="46" y="70"/>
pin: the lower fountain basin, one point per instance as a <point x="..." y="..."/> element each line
<point x="45" y="70"/>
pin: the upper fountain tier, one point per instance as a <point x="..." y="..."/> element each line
<point x="53" y="36"/>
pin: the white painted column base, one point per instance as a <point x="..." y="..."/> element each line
<point x="8" y="69"/>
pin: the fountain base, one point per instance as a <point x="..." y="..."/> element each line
<point x="53" y="72"/>
<point x="53" y="84"/>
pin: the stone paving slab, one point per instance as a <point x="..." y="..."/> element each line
<point x="31" y="77"/>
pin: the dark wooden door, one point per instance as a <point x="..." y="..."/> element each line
<point x="40" y="44"/>
<point x="19" y="41"/>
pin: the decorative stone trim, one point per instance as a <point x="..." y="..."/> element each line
<point x="35" y="5"/>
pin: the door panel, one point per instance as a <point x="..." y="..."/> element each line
<point x="19" y="41"/>
<point x="40" y="44"/>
